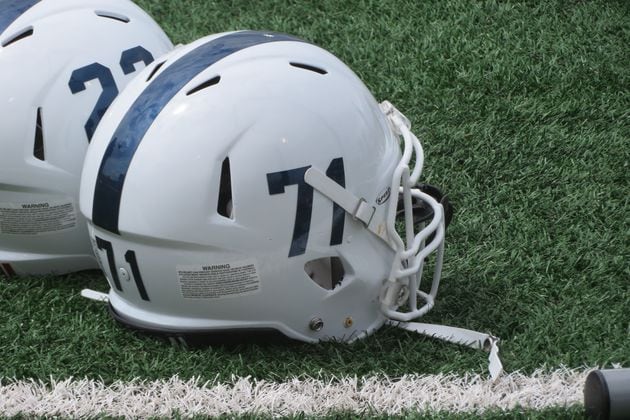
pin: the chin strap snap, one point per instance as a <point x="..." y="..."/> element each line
<point x="464" y="337"/>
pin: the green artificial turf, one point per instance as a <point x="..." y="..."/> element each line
<point x="524" y="112"/>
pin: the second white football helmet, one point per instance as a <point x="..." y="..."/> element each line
<point x="62" y="63"/>
<point x="250" y="181"/>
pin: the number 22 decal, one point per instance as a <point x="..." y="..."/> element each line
<point x="278" y="180"/>
<point x="81" y="76"/>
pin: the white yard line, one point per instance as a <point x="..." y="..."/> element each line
<point x="470" y="393"/>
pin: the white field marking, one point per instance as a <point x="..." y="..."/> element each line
<point x="470" y="393"/>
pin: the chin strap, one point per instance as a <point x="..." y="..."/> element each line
<point x="357" y="207"/>
<point x="469" y="338"/>
<point x="94" y="295"/>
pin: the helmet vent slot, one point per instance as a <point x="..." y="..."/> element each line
<point x="204" y="85"/>
<point x="224" y="206"/>
<point x="308" y="67"/>
<point x="38" y="148"/>
<point x="327" y="272"/>
<point x="19" y="36"/>
<point x="112" y="15"/>
<point x="155" y="70"/>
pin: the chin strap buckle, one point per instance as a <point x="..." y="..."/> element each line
<point x="464" y="337"/>
<point x="364" y="212"/>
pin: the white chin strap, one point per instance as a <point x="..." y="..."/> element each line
<point x="402" y="286"/>
<point x="464" y="337"/>
<point x="95" y="296"/>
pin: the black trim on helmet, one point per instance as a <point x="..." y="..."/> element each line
<point x="203" y="338"/>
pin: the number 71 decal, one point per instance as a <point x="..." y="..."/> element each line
<point x="130" y="257"/>
<point x="276" y="182"/>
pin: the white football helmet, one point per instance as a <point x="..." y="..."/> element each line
<point x="250" y="181"/>
<point x="62" y="63"/>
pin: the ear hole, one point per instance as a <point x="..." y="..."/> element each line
<point x="155" y="70"/>
<point x="25" y="33"/>
<point x="38" y="147"/>
<point x="225" y="208"/>
<point x="204" y="85"/>
<point x="327" y="272"/>
<point x="112" y="15"/>
<point x="309" y="67"/>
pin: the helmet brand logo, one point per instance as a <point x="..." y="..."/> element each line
<point x="383" y="196"/>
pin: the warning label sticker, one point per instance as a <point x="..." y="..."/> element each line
<point x="39" y="218"/>
<point x="213" y="281"/>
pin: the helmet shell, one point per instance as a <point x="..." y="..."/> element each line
<point x="152" y="186"/>
<point x="62" y="63"/>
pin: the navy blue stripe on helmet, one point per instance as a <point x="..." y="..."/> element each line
<point x="10" y="10"/>
<point x="141" y="115"/>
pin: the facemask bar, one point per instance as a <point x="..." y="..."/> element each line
<point x="404" y="280"/>
<point x="406" y="272"/>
